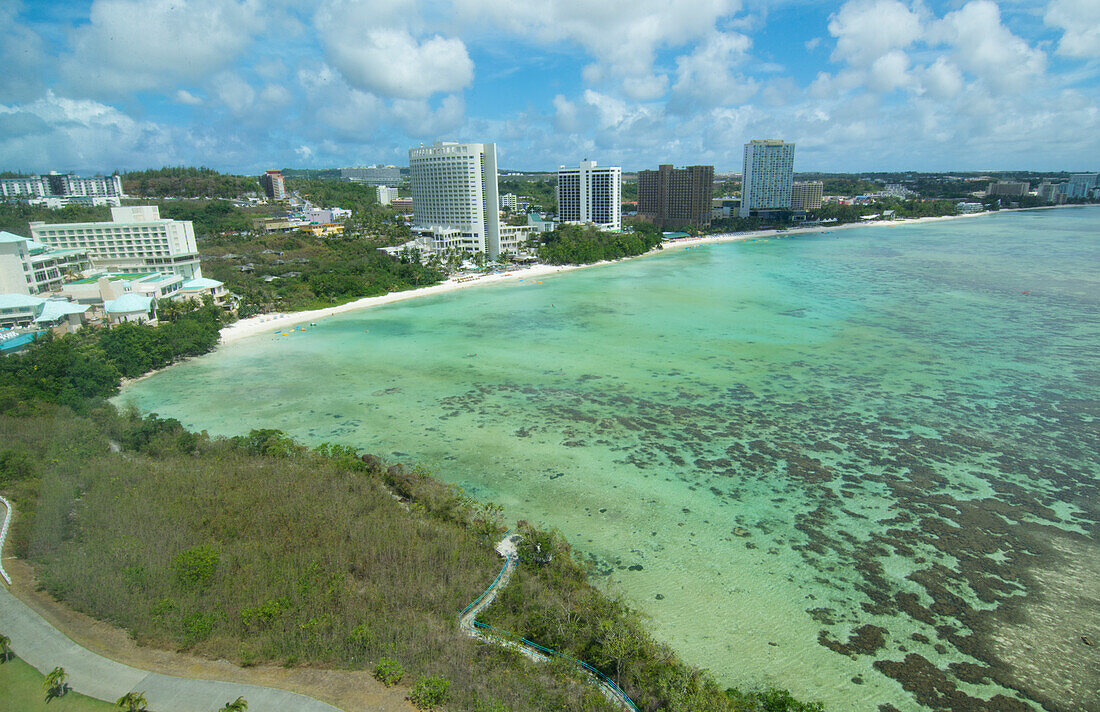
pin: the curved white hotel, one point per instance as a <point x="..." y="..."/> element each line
<point x="454" y="195"/>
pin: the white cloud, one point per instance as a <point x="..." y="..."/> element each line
<point x="132" y="45"/>
<point x="234" y="92"/>
<point x="21" y="54"/>
<point x="942" y="80"/>
<point x="622" y="36"/>
<point x="1079" y="21"/>
<point x="182" y="96"/>
<point x="388" y="59"/>
<point x="869" y="29"/>
<point x="565" y="115"/>
<point x="984" y="47"/>
<point x="418" y="119"/>
<point x="705" y="77"/>
<point x="80" y="134"/>
<point x="889" y="72"/>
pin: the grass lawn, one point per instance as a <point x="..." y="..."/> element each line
<point x="21" y="691"/>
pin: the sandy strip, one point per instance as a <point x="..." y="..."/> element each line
<point x="264" y="323"/>
<point x="272" y="323"/>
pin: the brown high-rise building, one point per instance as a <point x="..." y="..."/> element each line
<point x="673" y="197"/>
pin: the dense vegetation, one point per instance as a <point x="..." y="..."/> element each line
<point x="72" y="368"/>
<point x="309" y="272"/>
<point x="583" y="244"/>
<point x="330" y="193"/>
<point x="540" y="191"/>
<point x="16" y="217"/>
<point x="185" y="182"/>
<point x="210" y="217"/>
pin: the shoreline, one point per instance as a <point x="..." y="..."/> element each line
<point x="262" y="323"/>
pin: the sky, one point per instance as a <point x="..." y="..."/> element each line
<point x="248" y="85"/>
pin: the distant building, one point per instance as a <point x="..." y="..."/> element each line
<point x="1009" y="189"/>
<point x="670" y="197"/>
<point x="591" y="194"/>
<point x="56" y="190"/>
<point x="402" y="205"/>
<point x="325" y="215"/>
<point x="136" y="240"/>
<point x="274" y="185"/>
<point x="323" y="229"/>
<point x="767" y="177"/>
<point x="806" y="195"/>
<point x="508" y="200"/>
<point x="373" y="175"/>
<point x="965" y="208"/>
<point x="726" y="207"/>
<point x="454" y="196"/>
<point x="1047" y="191"/>
<point x="1081" y="185"/>
<point x="29" y="267"/>
<point x="386" y="194"/>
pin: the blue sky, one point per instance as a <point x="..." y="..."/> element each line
<point x="246" y="85"/>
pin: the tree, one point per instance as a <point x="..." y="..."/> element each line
<point x="54" y="684"/>
<point x="238" y="705"/>
<point x="133" y="702"/>
<point x="5" y="648"/>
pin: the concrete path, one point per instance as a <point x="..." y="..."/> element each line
<point x="44" y="647"/>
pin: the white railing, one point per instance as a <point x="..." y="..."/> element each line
<point x="4" y="536"/>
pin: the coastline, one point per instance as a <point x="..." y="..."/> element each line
<point x="262" y="323"/>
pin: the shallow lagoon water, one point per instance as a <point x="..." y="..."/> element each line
<point x="860" y="465"/>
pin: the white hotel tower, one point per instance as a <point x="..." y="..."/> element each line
<point x="767" y="177"/>
<point x="591" y="194"/>
<point x="454" y="195"/>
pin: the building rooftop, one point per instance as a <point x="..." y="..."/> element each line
<point x="127" y="303"/>
<point x="201" y="283"/>
<point x="9" y="237"/>
<point x="120" y="277"/>
<point x="19" y="301"/>
<point x="55" y="309"/>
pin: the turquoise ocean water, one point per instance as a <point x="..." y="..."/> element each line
<point x="861" y="465"/>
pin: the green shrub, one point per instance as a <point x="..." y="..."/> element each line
<point x="196" y="566"/>
<point x="429" y="692"/>
<point x="389" y="672"/>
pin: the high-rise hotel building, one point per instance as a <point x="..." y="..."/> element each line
<point x="807" y="195"/>
<point x="454" y="196"/>
<point x="136" y="240"/>
<point x="591" y="194"/>
<point x="674" y="197"/>
<point x="767" y="177"/>
<point x="274" y="185"/>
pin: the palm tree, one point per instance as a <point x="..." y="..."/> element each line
<point x="133" y="702"/>
<point x="5" y="648"/>
<point x="237" y="705"/>
<point x="54" y="684"/>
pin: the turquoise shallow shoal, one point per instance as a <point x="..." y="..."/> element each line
<point x="860" y="465"/>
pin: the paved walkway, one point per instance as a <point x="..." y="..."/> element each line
<point x="44" y="647"/>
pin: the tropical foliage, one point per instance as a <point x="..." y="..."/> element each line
<point x="299" y="271"/>
<point x="185" y="182"/>
<point x="577" y="244"/>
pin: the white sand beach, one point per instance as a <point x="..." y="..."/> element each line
<point x="265" y="323"/>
